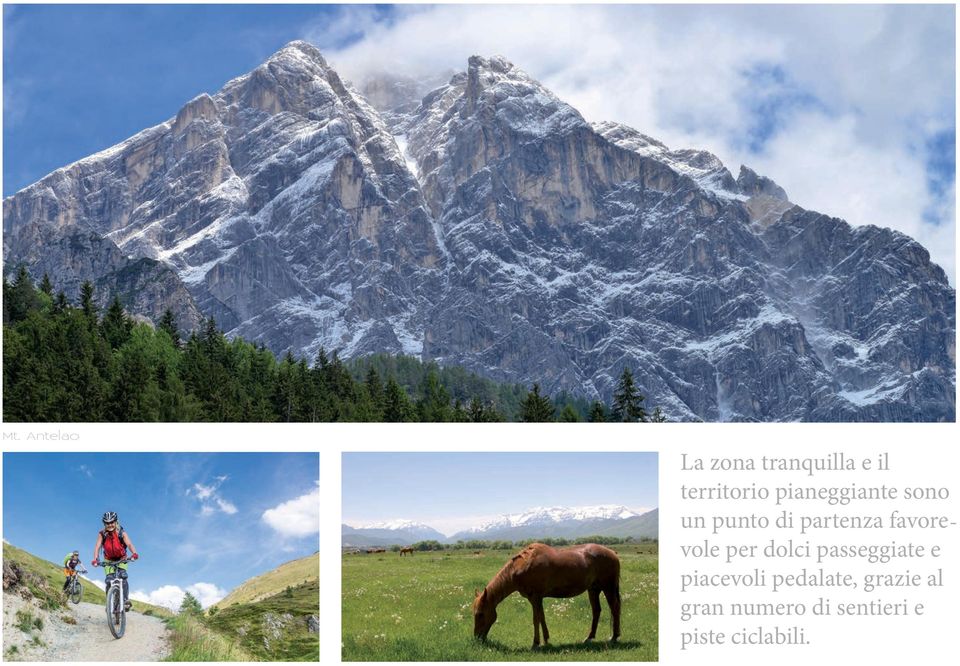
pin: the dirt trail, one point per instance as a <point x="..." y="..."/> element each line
<point x="90" y="638"/>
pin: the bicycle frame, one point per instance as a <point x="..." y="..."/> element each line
<point x="74" y="587"/>
<point x="116" y="616"/>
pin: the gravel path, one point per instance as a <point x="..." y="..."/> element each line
<point x="90" y="639"/>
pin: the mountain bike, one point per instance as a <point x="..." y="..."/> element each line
<point x="116" y="602"/>
<point x="74" y="588"/>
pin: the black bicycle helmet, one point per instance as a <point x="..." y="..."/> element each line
<point x="110" y="517"/>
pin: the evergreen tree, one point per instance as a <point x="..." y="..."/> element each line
<point x="627" y="401"/>
<point x="22" y="297"/>
<point x="478" y="412"/>
<point x="86" y="302"/>
<point x="397" y="405"/>
<point x="285" y="401"/>
<point x="306" y="393"/>
<point x="60" y="303"/>
<point x="598" y="413"/>
<point x="46" y="286"/>
<point x="434" y="406"/>
<point x="190" y="605"/>
<point x="322" y="361"/>
<point x="7" y="295"/>
<point x="116" y="326"/>
<point x="168" y="324"/>
<point x="135" y="396"/>
<point x="568" y="414"/>
<point x="658" y="416"/>
<point x="460" y="414"/>
<point x="212" y="339"/>
<point x="375" y="392"/>
<point x="536" y="408"/>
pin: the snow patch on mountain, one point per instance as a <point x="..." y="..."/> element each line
<point x="396" y="524"/>
<point x="556" y="514"/>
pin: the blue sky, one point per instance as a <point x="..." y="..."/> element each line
<point x="851" y="108"/>
<point x="80" y="78"/>
<point x="453" y="491"/>
<point x="201" y="522"/>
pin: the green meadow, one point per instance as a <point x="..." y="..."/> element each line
<point x="419" y="609"/>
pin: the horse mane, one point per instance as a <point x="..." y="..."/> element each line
<point x="503" y="581"/>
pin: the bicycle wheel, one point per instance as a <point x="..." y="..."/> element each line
<point x="116" y="617"/>
<point x="76" y="591"/>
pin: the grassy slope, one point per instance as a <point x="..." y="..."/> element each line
<point x="419" y="609"/>
<point x="246" y="623"/>
<point x="192" y="640"/>
<point x="54" y="576"/>
<point x="286" y="575"/>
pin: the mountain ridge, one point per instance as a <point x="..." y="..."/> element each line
<point x="492" y="227"/>
<point x="537" y="522"/>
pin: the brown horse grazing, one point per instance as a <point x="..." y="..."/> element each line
<point x="540" y="571"/>
<point x="406" y="550"/>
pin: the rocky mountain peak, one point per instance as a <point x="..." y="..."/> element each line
<point x="752" y="184"/>
<point x="297" y="53"/>
<point x="500" y="92"/>
<point x="484" y="73"/>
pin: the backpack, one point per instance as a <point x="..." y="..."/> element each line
<point x="114" y="547"/>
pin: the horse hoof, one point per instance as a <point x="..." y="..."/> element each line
<point x="588" y="639"/>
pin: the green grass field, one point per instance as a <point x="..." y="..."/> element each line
<point x="419" y="609"/>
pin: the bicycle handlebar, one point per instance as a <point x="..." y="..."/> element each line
<point x="113" y="563"/>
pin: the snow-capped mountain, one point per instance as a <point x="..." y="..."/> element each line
<point x="535" y="523"/>
<point x="566" y="522"/>
<point x="486" y="224"/>
<point x="398" y="524"/>
<point x="389" y="533"/>
<point x="552" y="515"/>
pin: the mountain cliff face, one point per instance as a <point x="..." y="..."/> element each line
<point x="488" y="225"/>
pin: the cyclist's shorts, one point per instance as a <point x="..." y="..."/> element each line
<point x="67" y="572"/>
<point x="111" y="568"/>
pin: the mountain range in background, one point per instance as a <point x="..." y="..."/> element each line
<point x="480" y="221"/>
<point x="536" y="523"/>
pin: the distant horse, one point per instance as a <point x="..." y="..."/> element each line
<point x="406" y="551"/>
<point x="371" y="551"/>
<point x="478" y="552"/>
<point x="540" y="571"/>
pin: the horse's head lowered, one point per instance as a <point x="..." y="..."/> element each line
<point x="484" y="615"/>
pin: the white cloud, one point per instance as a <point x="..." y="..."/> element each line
<point x="203" y="492"/>
<point x="210" y="498"/>
<point x="97" y="583"/>
<point x="298" y="517"/>
<point x="86" y="471"/>
<point x="206" y="593"/>
<point x="168" y="596"/>
<point x="857" y="89"/>
<point x="171" y="596"/>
